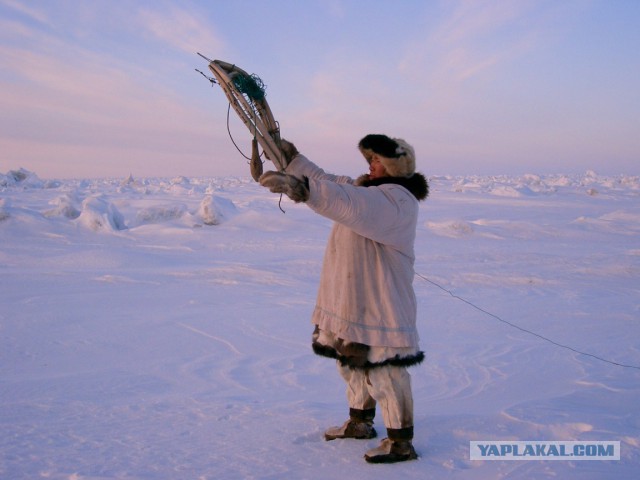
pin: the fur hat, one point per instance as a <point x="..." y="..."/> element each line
<point x="396" y="155"/>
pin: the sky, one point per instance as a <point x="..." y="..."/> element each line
<point x="109" y="88"/>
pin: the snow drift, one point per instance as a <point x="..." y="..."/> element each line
<point x="155" y="329"/>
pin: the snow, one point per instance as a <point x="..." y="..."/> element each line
<point x="159" y="329"/>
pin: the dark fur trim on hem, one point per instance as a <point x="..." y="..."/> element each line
<point x="417" y="183"/>
<point x="324" y="351"/>
<point x="396" y="361"/>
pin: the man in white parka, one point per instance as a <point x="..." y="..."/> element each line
<point x="365" y="313"/>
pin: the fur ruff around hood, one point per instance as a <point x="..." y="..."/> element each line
<point x="417" y="183"/>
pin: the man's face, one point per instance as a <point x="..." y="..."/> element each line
<point x="376" y="169"/>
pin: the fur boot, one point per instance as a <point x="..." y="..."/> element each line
<point x="359" y="426"/>
<point x="396" y="448"/>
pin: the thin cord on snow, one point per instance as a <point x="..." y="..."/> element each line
<point x="553" y="342"/>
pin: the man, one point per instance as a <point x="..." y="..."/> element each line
<point x="365" y="313"/>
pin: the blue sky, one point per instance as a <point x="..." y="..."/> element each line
<point x="108" y="88"/>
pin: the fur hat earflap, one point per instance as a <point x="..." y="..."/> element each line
<point x="395" y="154"/>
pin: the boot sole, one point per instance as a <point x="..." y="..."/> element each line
<point x="391" y="458"/>
<point x="374" y="434"/>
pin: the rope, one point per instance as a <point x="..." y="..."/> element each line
<point x="231" y="136"/>
<point x="542" y="337"/>
<point x="242" y="153"/>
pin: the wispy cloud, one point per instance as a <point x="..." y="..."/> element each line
<point x="63" y="99"/>
<point x="181" y="29"/>
<point x="472" y="20"/>
<point x="116" y="78"/>
<point x="473" y="37"/>
<point x="29" y="11"/>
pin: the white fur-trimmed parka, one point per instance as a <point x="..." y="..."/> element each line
<point x="365" y="313"/>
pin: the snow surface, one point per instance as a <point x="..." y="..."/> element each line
<point x="159" y="329"/>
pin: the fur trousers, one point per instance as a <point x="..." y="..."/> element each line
<point x="388" y="386"/>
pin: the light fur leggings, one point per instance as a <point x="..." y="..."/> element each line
<point x="388" y="386"/>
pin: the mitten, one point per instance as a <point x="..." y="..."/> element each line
<point x="297" y="190"/>
<point x="289" y="151"/>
